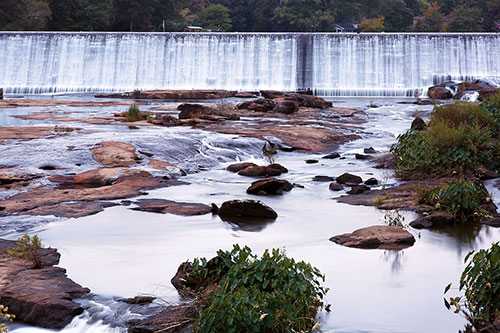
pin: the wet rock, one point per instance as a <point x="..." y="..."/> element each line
<point x="245" y="94"/>
<point x="240" y="166"/>
<point x="488" y="93"/>
<point x="439" y="92"/>
<point x="285" y="105"/>
<point x="71" y="210"/>
<point x="377" y="237"/>
<point x="362" y="157"/>
<point x="492" y="222"/>
<point x="332" y="156"/>
<point x="263" y="171"/>
<point x="138" y="300"/>
<point x="115" y="154"/>
<point x="246" y="209"/>
<point x="177" y="208"/>
<point x="323" y="179"/>
<point x="358" y="189"/>
<point x="370" y="150"/>
<point x="418" y="124"/>
<point x="371" y="181"/>
<point x="302" y="99"/>
<point x="167" y="120"/>
<point x="175" y="318"/>
<point x="436" y="220"/>
<point x="311" y="161"/>
<point x="270" y="186"/>
<point x="215" y="208"/>
<point x="349" y="178"/>
<point x="336" y="186"/>
<point x="98" y="177"/>
<point x="172" y="94"/>
<point x="189" y="111"/>
<point x="172" y="169"/>
<point x="1" y="93"/>
<point x="24" y="132"/>
<point x="11" y="175"/>
<point x="485" y="174"/>
<point x="40" y="297"/>
<point x="477" y="85"/>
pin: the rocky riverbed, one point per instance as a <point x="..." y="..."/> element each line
<point x="140" y="194"/>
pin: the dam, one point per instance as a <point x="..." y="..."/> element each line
<point x="329" y="64"/>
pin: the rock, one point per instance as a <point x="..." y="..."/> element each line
<point x="323" y="179"/>
<point x="493" y="222"/>
<point x="332" y="156"/>
<point x="189" y="111"/>
<point x="138" y="300"/>
<point x="11" y="175"/>
<point x="172" y="94"/>
<point x="240" y="166"/>
<point x="358" y="189"/>
<point x="172" y="169"/>
<point x="173" y="319"/>
<point x="177" y="208"/>
<point x="253" y="209"/>
<point x="418" y="124"/>
<point x="285" y="105"/>
<point x="311" y="161"/>
<point x="436" y="220"/>
<point x="477" y="85"/>
<point x="168" y="120"/>
<point x="370" y="150"/>
<point x="485" y="174"/>
<point x="98" y="177"/>
<point x="245" y="94"/>
<point x="377" y="237"/>
<point x="438" y="92"/>
<point x="263" y="171"/>
<point x="349" y="178"/>
<point x="270" y="186"/>
<point x="258" y="105"/>
<point x="40" y="297"/>
<point x="488" y="93"/>
<point x="371" y="181"/>
<point x="115" y="154"/>
<point x="1" y="93"/>
<point x="71" y="210"/>
<point x="215" y="208"/>
<point x="302" y="99"/>
<point x="362" y="157"/>
<point x="336" y="186"/>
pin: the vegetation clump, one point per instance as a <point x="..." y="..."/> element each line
<point x="463" y="199"/>
<point x="460" y="138"/>
<point x="133" y="113"/>
<point x="5" y="318"/>
<point x="480" y="282"/>
<point x="27" y="248"/>
<point x="272" y="293"/>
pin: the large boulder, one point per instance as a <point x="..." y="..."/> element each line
<point x="263" y="171"/>
<point x="269" y="186"/>
<point x="285" y="105"/>
<point x="167" y="206"/>
<point x="253" y="209"/>
<point x="377" y="237"/>
<point x="236" y="167"/>
<point x="436" y="220"/>
<point x="302" y="99"/>
<point x="40" y="297"/>
<point x="115" y="154"/>
<point x="190" y="111"/>
<point x="348" y="178"/>
<point x="438" y="92"/>
<point x="98" y="177"/>
<point x="418" y="124"/>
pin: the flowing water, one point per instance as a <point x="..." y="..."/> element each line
<point x="329" y="64"/>
<point x="123" y="253"/>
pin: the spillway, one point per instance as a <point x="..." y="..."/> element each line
<point x="330" y="64"/>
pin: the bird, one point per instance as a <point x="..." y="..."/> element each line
<point x="269" y="150"/>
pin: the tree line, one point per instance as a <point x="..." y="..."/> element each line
<point x="250" y="15"/>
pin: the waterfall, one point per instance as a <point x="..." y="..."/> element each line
<point x="329" y="64"/>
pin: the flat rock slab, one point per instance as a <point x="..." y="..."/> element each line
<point x="377" y="237"/>
<point x="24" y="133"/>
<point x="115" y="154"/>
<point x="71" y="210"/>
<point x="173" y="94"/>
<point x="177" y="208"/>
<point x="177" y="318"/>
<point x="41" y="297"/>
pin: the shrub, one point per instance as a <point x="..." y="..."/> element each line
<point x="133" y="113"/>
<point x="461" y="198"/>
<point x="268" y="294"/>
<point x="5" y="318"/>
<point x="460" y="137"/>
<point x="492" y="106"/>
<point x="481" y="283"/>
<point x="27" y="248"/>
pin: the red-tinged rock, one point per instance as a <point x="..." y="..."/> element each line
<point x="377" y="237"/>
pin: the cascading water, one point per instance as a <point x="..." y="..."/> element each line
<point x="329" y="64"/>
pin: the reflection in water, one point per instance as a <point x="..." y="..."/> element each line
<point x="238" y="223"/>
<point x="466" y="236"/>
<point x="396" y="258"/>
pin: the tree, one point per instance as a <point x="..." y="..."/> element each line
<point x="83" y="15"/>
<point x="376" y="24"/>
<point x="465" y="19"/>
<point x="432" y="20"/>
<point x="299" y="15"/>
<point x="24" y="15"/>
<point x="215" y="17"/>
<point x="133" y="15"/>
<point x="398" y="17"/>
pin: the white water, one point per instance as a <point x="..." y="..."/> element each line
<point x="329" y="64"/>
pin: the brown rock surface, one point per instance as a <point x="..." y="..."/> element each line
<point x="41" y="297"/>
<point x="176" y="318"/>
<point x="270" y="186"/>
<point x="115" y="154"/>
<point x="236" y="167"/>
<point x="438" y="92"/>
<point x="172" y="207"/>
<point x="377" y="237"/>
<point x="24" y="132"/>
<point x="172" y="94"/>
<point x="246" y="209"/>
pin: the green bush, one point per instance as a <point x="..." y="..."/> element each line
<point x="460" y="138"/>
<point x="481" y="283"/>
<point x="133" y="113"/>
<point x="461" y="198"/>
<point x="27" y="248"/>
<point x="273" y="293"/>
